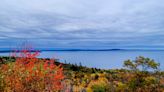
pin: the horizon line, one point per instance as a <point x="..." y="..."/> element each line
<point x="138" y="49"/>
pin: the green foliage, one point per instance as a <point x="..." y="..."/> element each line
<point x="141" y="63"/>
<point x="142" y="78"/>
<point x="140" y="75"/>
<point x="98" y="88"/>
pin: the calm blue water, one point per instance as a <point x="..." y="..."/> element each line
<point x="101" y="59"/>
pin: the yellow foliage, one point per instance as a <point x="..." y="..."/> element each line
<point x="89" y="89"/>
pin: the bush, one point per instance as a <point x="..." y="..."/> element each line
<point x="98" y="88"/>
<point x="30" y="74"/>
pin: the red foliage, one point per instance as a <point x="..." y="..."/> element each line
<point x="29" y="73"/>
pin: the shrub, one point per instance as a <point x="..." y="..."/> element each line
<point x="98" y="88"/>
<point x="30" y="74"/>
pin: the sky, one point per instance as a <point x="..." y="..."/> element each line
<point x="82" y="23"/>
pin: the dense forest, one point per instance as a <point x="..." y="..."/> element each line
<point x="27" y="73"/>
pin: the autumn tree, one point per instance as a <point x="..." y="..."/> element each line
<point x="142" y="68"/>
<point x="141" y="64"/>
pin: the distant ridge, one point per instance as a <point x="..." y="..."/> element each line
<point x="42" y="49"/>
<point x="3" y="51"/>
<point x="101" y="49"/>
<point x="81" y="49"/>
<point x="6" y="51"/>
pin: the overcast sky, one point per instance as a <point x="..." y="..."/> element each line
<point x="82" y="23"/>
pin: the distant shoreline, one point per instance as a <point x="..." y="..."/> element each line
<point x="41" y="50"/>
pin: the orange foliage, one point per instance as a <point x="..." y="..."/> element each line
<point x="30" y="74"/>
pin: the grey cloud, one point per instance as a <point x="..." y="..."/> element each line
<point x="83" y="22"/>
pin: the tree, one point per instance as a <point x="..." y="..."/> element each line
<point x="142" y="78"/>
<point x="141" y="63"/>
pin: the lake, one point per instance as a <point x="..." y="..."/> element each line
<point x="101" y="59"/>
